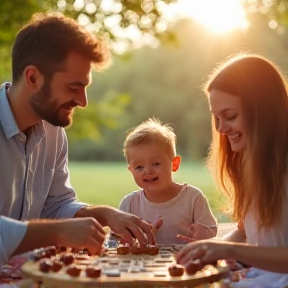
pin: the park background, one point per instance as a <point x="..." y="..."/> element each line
<point x="159" y="64"/>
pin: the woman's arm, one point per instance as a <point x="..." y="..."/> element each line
<point x="274" y="259"/>
<point x="235" y="235"/>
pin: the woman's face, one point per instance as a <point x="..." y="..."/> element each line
<point x="229" y="119"/>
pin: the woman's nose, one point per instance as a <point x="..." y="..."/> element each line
<point x="222" y="128"/>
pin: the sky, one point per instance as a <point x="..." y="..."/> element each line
<point x="220" y="16"/>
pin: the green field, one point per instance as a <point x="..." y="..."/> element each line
<point x="106" y="183"/>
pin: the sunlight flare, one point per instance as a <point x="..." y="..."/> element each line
<point x="219" y="16"/>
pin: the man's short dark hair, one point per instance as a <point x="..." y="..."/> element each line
<point x="47" y="39"/>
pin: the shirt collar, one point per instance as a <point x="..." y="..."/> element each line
<point x="7" y="120"/>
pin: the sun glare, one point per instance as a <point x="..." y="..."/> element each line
<point x="219" y="16"/>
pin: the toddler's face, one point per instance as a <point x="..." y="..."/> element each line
<point x="151" y="166"/>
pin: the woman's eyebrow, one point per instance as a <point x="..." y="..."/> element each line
<point x="222" y="111"/>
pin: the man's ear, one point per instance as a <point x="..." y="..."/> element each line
<point x="176" y="163"/>
<point x="33" y="77"/>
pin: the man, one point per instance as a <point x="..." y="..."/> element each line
<point x="52" y="60"/>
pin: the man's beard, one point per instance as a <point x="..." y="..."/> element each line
<point x="47" y="109"/>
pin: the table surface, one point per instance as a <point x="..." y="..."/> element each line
<point x="223" y="228"/>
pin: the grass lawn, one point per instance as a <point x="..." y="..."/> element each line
<point x="107" y="183"/>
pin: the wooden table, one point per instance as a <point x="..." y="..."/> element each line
<point x="223" y="228"/>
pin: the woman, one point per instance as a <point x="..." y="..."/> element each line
<point x="248" y="101"/>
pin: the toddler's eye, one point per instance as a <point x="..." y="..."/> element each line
<point x="156" y="164"/>
<point x="140" y="168"/>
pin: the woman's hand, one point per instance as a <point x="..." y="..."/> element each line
<point x="206" y="252"/>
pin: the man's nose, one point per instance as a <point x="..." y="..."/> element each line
<point x="82" y="99"/>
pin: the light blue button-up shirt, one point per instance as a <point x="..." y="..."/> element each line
<point x="34" y="175"/>
<point x="11" y="234"/>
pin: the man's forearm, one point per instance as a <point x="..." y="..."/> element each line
<point x="100" y="213"/>
<point x="39" y="234"/>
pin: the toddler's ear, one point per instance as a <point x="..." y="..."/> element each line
<point x="176" y="163"/>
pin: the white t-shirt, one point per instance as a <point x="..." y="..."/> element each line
<point x="188" y="207"/>
<point x="277" y="235"/>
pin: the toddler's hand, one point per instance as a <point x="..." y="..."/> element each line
<point x="199" y="232"/>
<point x="185" y="239"/>
<point x="157" y="225"/>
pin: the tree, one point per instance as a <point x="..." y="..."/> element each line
<point x="166" y="82"/>
<point x="145" y="16"/>
<point x="104" y="17"/>
<point x="277" y="10"/>
<point x="108" y="17"/>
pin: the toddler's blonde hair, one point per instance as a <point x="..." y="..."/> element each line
<point x="151" y="130"/>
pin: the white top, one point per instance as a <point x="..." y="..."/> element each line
<point x="277" y="235"/>
<point x="188" y="207"/>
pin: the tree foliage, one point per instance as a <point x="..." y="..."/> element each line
<point x="162" y="82"/>
<point x="95" y="15"/>
<point x="166" y="81"/>
<point x="275" y="9"/>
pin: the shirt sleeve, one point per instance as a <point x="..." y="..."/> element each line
<point x="202" y="212"/>
<point x="11" y="234"/>
<point x="62" y="201"/>
<point x="124" y="204"/>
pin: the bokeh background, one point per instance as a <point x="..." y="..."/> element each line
<point x="162" y="52"/>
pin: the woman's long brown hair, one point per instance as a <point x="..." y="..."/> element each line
<point x="254" y="177"/>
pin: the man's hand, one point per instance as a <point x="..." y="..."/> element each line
<point x="81" y="233"/>
<point x="126" y="225"/>
<point x="76" y="233"/>
<point x="199" y="232"/>
<point x="129" y="226"/>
